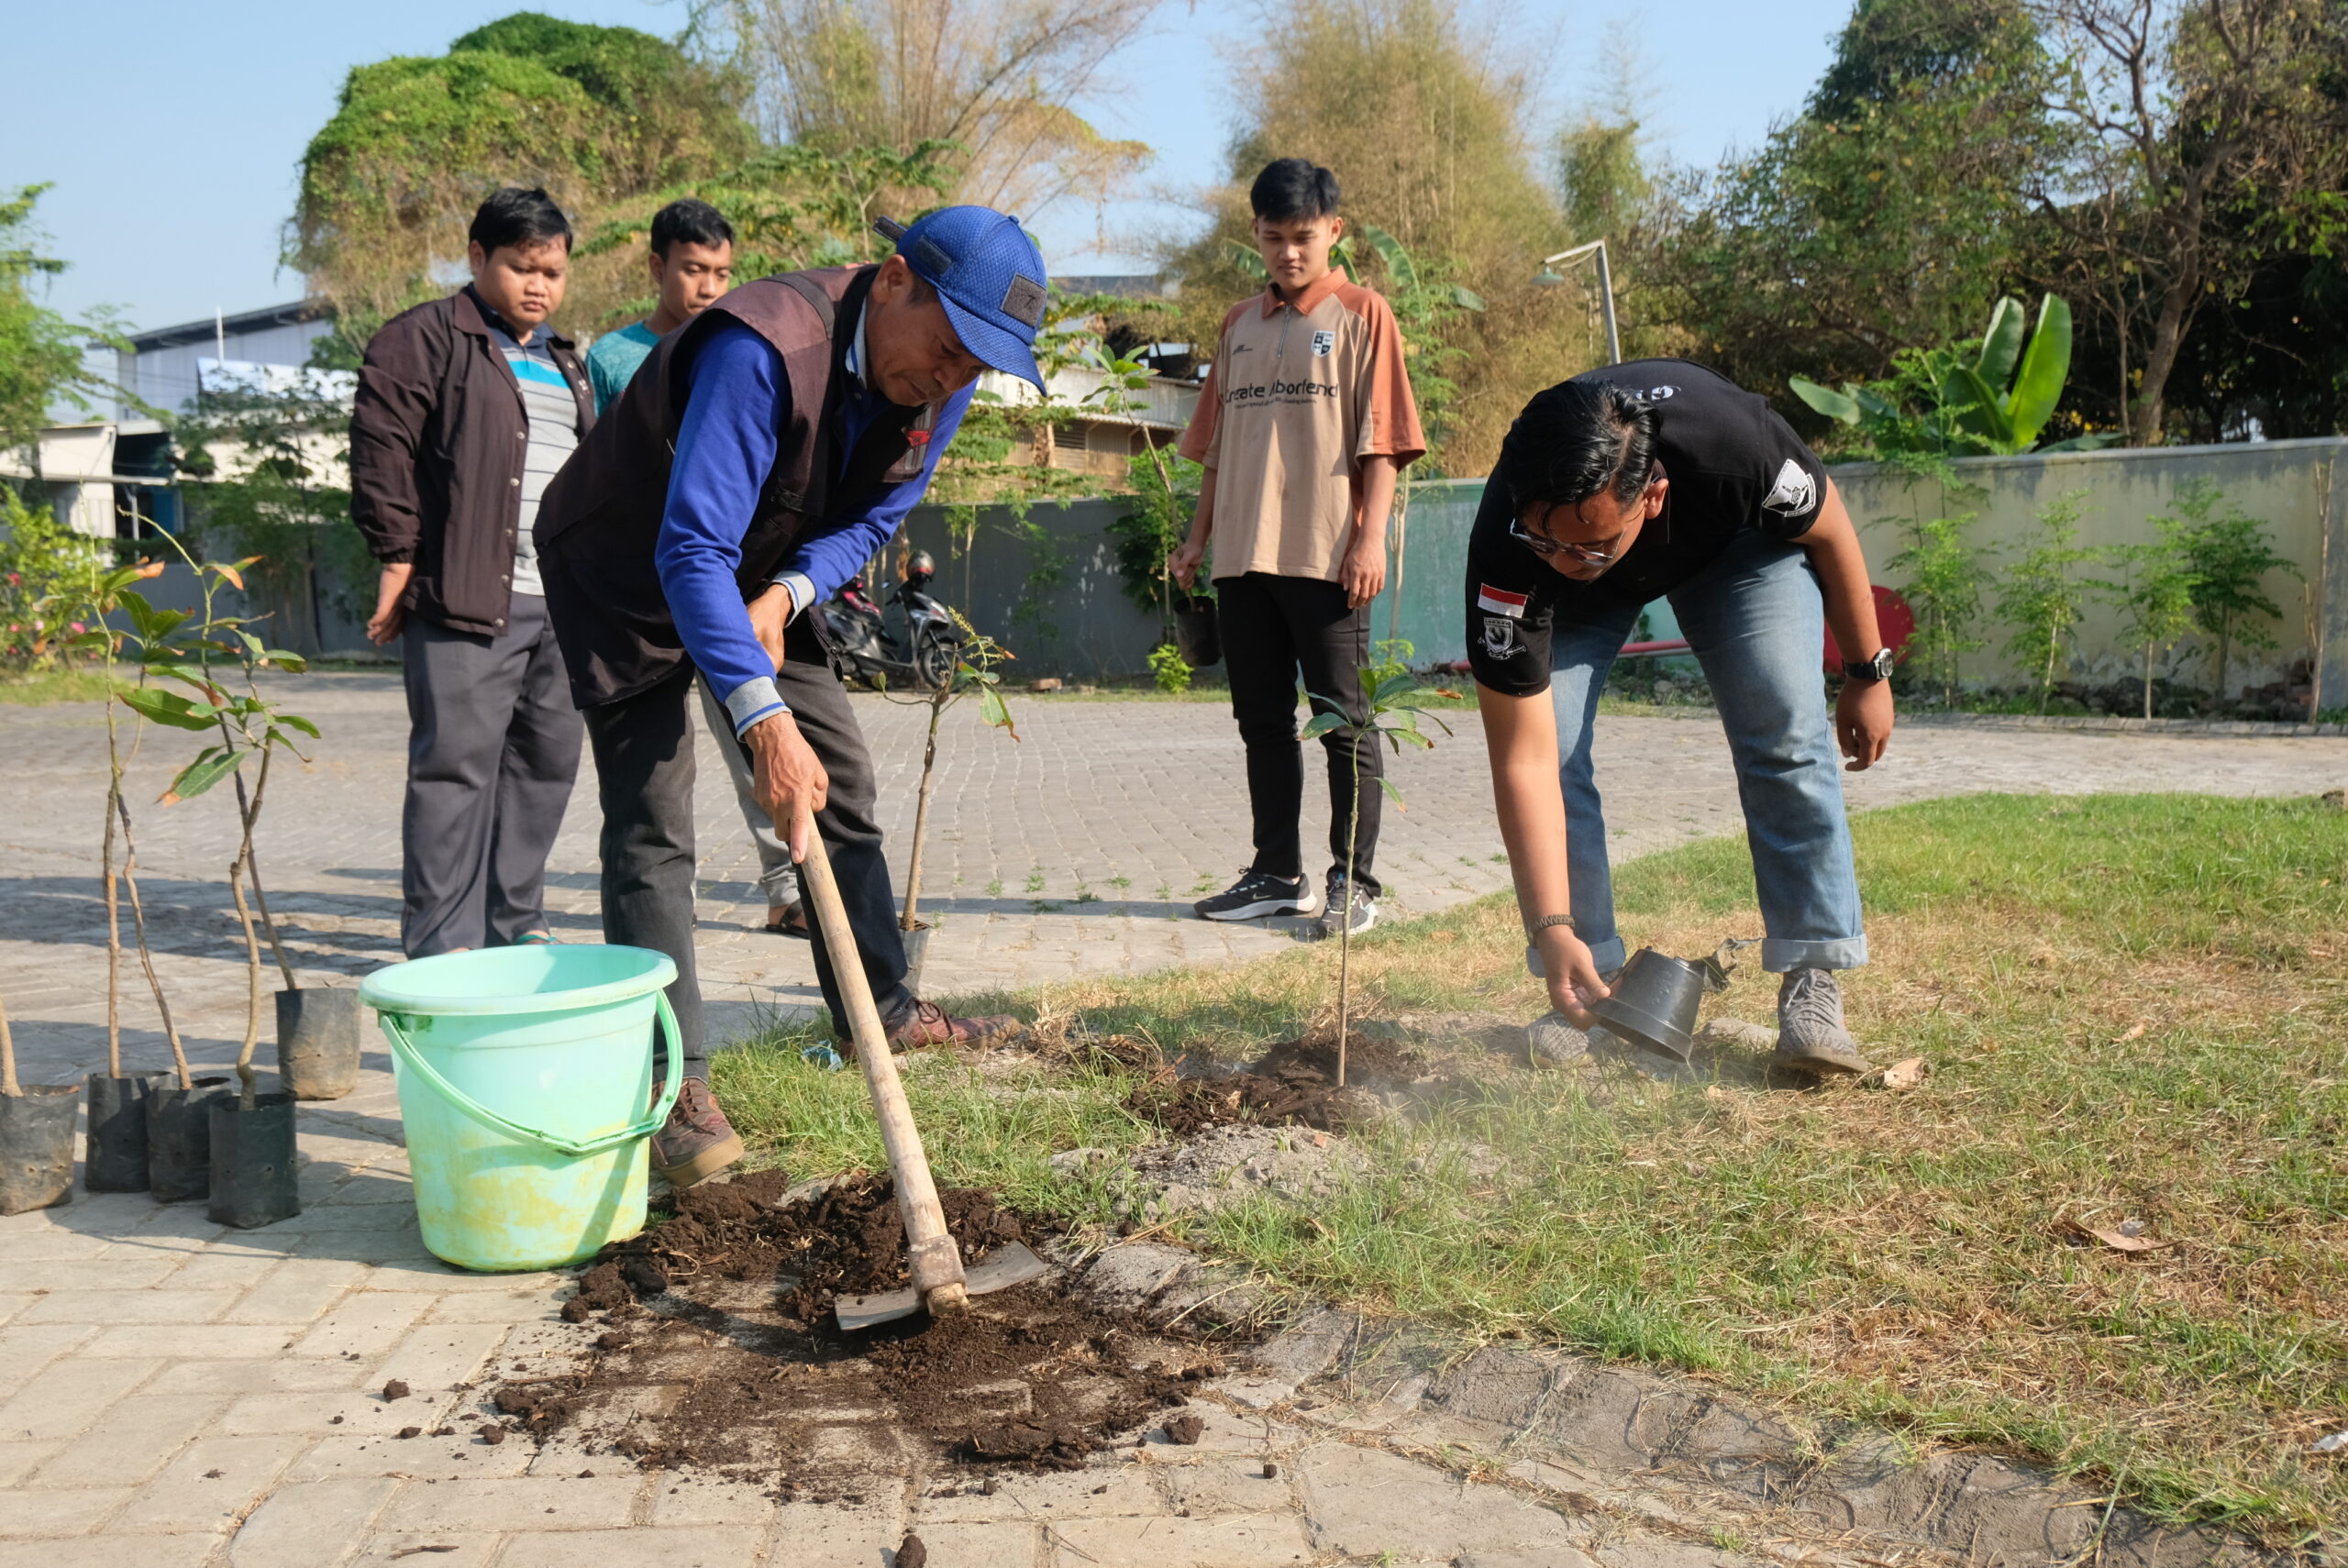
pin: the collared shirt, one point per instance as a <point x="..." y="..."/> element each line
<point x="1298" y="395"/>
<point x="726" y="445"/>
<point x="551" y="409"/>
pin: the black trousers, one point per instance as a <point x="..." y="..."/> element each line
<point x="492" y="748"/>
<point x="644" y="758"/>
<point x="1275" y="629"/>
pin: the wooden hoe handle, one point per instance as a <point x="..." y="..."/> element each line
<point x="937" y="1261"/>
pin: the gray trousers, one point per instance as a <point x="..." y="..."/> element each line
<point x="493" y="749"/>
<point x="778" y="877"/>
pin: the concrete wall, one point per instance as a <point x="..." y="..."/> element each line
<point x="1083" y="626"/>
<point x="2297" y="488"/>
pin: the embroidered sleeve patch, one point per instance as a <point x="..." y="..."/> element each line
<point x="1500" y="602"/>
<point x="1794" y="494"/>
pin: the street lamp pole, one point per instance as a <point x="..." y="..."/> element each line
<point x="1605" y="288"/>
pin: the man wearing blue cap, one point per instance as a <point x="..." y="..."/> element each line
<point x="762" y="453"/>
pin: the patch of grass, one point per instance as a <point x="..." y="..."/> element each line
<point x="42" y="688"/>
<point x="2133" y="1008"/>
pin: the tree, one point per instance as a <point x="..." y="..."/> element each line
<point x="1877" y="219"/>
<point x="277" y="454"/>
<point x="594" y="114"/>
<point x="40" y="351"/>
<point x="2153" y="594"/>
<point x="2040" y="599"/>
<point x="997" y="77"/>
<point x="2207" y="133"/>
<point x="2229" y="553"/>
<point x="1946" y="578"/>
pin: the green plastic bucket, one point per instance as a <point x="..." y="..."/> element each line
<point x="523" y="1074"/>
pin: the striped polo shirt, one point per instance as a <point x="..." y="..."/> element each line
<point x="553" y="413"/>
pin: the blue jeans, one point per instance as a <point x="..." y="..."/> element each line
<point x="1755" y="621"/>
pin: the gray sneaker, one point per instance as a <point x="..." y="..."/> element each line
<point x="1810" y="1036"/>
<point x="1346" y="905"/>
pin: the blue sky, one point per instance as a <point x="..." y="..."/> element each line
<point x="171" y="131"/>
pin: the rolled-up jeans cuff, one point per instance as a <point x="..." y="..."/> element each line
<point x="1605" y="956"/>
<point x="1847" y="953"/>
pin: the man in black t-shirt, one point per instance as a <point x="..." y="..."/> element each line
<point x="1661" y="479"/>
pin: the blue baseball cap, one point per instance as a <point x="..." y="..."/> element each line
<point x="991" y="277"/>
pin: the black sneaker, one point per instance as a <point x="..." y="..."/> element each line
<point x="1346" y="905"/>
<point x="1260" y="893"/>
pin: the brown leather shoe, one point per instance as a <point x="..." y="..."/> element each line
<point x="930" y="1024"/>
<point x="697" y="1141"/>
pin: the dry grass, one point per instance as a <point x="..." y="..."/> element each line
<point x="2132" y="1010"/>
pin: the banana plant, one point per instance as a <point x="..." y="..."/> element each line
<point x="1993" y="398"/>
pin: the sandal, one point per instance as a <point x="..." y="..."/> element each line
<point x="793" y="923"/>
<point x="536" y="939"/>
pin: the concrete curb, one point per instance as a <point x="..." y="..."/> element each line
<point x="2105" y="723"/>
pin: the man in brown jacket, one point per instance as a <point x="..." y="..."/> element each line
<point x="466" y="408"/>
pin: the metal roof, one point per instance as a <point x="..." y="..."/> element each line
<point x="243" y="321"/>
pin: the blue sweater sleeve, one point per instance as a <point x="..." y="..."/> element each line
<point x="726" y="447"/>
<point x="829" y="558"/>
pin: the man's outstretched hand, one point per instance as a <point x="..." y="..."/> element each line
<point x="1863" y="721"/>
<point x="792" y="784"/>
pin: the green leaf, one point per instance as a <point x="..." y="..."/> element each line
<point x="142" y="615"/>
<point x="1465" y="298"/>
<point x="1977" y="407"/>
<point x="2001" y="345"/>
<point x="253" y="648"/>
<point x="2044" y="368"/>
<point x="294" y="721"/>
<point x="291" y="663"/>
<point x="1399" y="265"/>
<point x="205" y="771"/>
<point x="1825" y="400"/>
<point x="2093" y="443"/>
<point x="995" y="711"/>
<point x="167" y="707"/>
<point x="1322" y="723"/>
<point x="1391" y="793"/>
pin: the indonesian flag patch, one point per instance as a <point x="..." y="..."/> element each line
<point x="1500" y="602"/>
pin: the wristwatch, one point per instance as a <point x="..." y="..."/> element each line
<point x="1875" y="669"/>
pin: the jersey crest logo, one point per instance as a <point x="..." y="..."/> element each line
<point x="1794" y="494"/>
<point x="1657" y="395"/>
<point x="1323" y="342"/>
<point x="1499" y="637"/>
<point x="1500" y="602"/>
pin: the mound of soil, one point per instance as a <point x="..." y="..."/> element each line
<point x="718" y="1349"/>
<point x="1295" y="1084"/>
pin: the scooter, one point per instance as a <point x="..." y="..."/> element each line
<point x="860" y="638"/>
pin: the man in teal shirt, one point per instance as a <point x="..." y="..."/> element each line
<point x="692" y="263"/>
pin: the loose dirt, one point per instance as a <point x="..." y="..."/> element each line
<point x="1294" y="1085"/>
<point x="717" y="1350"/>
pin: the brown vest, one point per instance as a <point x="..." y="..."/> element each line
<point x="601" y="517"/>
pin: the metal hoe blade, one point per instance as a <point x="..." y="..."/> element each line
<point x="1010" y="1265"/>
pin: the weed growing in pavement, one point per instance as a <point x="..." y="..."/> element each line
<point x="994" y="887"/>
<point x="1034" y="880"/>
<point x="2129" y="1008"/>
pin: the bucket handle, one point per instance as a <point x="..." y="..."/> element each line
<point x="413" y="1059"/>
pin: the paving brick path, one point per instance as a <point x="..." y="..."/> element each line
<point x="172" y="1393"/>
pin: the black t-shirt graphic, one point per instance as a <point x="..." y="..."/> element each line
<point x="1734" y="464"/>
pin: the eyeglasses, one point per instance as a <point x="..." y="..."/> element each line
<point x="1546" y="547"/>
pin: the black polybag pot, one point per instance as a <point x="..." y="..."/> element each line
<point x="179" y="1140"/>
<point x="317" y="1042"/>
<point x="252" y="1161"/>
<point x="1654" y="1003"/>
<point x="115" y="1160"/>
<point x="917" y="942"/>
<point x="37" y="1146"/>
<point x="1197" y="636"/>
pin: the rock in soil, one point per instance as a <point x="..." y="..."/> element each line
<point x="911" y="1551"/>
<point x="735" y="1363"/>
